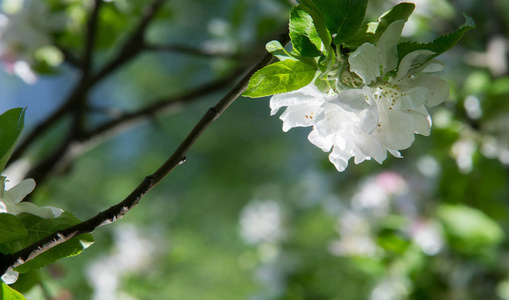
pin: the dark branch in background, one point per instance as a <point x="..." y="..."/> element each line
<point x="90" y="40"/>
<point x="130" y="49"/>
<point x="63" y="156"/>
<point x="133" y="46"/>
<point x="118" y="211"/>
<point x="190" y="51"/>
<point x="70" y="58"/>
<point x="129" y="119"/>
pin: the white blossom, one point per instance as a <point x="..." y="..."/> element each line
<point x="377" y="115"/>
<point x="10" y="200"/>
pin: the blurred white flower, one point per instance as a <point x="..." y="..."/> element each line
<point x="23" y="31"/>
<point x="133" y="252"/>
<point x="355" y="236"/>
<point x="261" y="222"/>
<point x="428" y="236"/>
<point x="463" y="150"/>
<point x="391" y="288"/>
<point x="381" y="115"/>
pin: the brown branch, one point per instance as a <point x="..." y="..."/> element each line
<point x="118" y="211"/>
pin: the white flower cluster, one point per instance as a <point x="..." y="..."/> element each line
<point x="25" y="27"/>
<point x="382" y="113"/>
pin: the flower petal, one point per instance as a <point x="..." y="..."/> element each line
<point x="299" y="116"/>
<point x="396" y="129"/>
<point x="18" y="192"/>
<point x="324" y="143"/>
<point x="306" y="95"/>
<point x="366" y="62"/>
<point x="411" y="61"/>
<point x="438" y="89"/>
<point x="352" y="100"/>
<point x="387" y="45"/>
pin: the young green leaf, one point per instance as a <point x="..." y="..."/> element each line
<point x="439" y="45"/>
<point x="276" y="49"/>
<point x="280" y="77"/>
<point x="11" y="125"/>
<point x="314" y="11"/>
<point x="8" y="293"/>
<point x="38" y="228"/>
<point x="402" y="11"/>
<point x="305" y="38"/>
<point x="11" y="229"/>
<point x="341" y="17"/>
<point x="371" y="32"/>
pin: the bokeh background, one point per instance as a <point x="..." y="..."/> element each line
<point x="256" y="213"/>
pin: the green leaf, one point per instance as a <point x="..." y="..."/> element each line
<point x="469" y="229"/>
<point x="11" y="229"/>
<point x="38" y="228"/>
<point x="341" y="17"/>
<point x="7" y="293"/>
<point x="276" y="49"/>
<point x="439" y="45"/>
<point x="371" y="32"/>
<point x="11" y="125"/>
<point x="401" y="11"/>
<point x="305" y="38"/>
<point x="280" y="77"/>
<point x="310" y="7"/>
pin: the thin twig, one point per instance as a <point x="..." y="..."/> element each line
<point x="118" y="211"/>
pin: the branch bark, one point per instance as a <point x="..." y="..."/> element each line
<point x="118" y="211"/>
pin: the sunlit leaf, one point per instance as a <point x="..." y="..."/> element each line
<point x="305" y="38"/>
<point x="280" y="77"/>
<point x="7" y="293"/>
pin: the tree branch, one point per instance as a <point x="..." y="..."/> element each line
<point x="118" y="211"/>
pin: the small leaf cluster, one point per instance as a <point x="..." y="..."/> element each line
<point x="21" y="230"/>
<point x="323" y="33"/>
